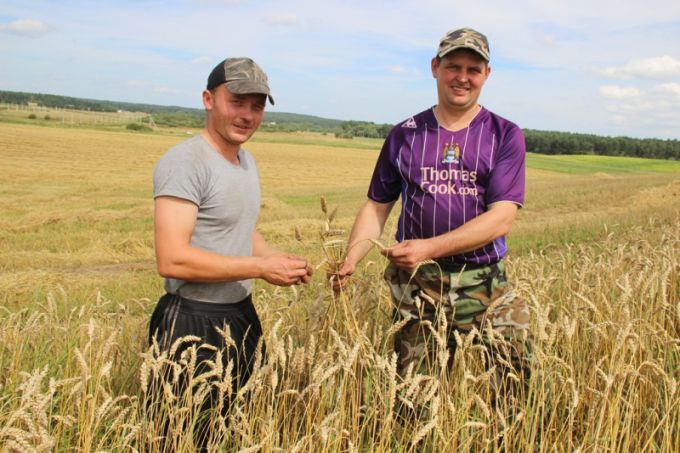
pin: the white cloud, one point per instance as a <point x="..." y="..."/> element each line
<point x="137" y="83"/>
<point x="672" y="87"/>
<point x="164" y="89"/>
<point x="646" y="112"/>
<point x="202" y="60"/>
<point x="616" y="92"/>
<point x="405" y="72"/>
<point x="619" y="120"/>
<point x="281" y="19"/>
<point x="654" y="68"/>
<point x="221" y="2"/>
<point x="26" y="27"/>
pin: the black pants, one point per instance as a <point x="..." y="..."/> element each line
<point x="176" y="317"/>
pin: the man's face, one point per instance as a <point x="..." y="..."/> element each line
<point x="460" y="76"/>
<point x="235" y="117"/>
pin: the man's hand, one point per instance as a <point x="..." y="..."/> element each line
<point x="407" y="254"/>
<point x="368" y="225"/>
<point x="310" y="270"/>
<point x="340" y="279"/>
<point x="283" y="269"/>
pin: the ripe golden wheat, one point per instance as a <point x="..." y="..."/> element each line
<point x="604" y="376"/>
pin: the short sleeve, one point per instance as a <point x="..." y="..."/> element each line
<point x="385" y="184"/>
<point x="507" y="179"/>
<point x="178" y="175"/>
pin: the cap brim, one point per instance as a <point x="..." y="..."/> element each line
<point x="249" y="87"/>
<point x="448" y="50"/>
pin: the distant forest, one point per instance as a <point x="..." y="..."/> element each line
<point x="544" y="142"/>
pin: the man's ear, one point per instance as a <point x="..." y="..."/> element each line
<point x="434" y="65"/>
<point x="208" y="99"/>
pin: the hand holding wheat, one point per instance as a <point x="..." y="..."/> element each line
<point x="409" y="254"/>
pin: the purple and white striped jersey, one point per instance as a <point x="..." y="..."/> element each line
<point x="447" y="178"/>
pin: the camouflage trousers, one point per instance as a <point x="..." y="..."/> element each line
<point x="470" y="298"/>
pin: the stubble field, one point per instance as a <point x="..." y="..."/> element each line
<point x="595" y="252"/>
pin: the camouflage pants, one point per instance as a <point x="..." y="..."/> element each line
<point x="474" y="297"/>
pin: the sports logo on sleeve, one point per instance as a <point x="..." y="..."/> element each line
<point x="410" y="123"/>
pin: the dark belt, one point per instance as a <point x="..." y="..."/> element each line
<point x="449" y="265"/>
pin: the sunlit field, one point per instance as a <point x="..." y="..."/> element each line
<point x="594" y="252"/>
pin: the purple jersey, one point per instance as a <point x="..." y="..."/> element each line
<point x="448" y="178"/>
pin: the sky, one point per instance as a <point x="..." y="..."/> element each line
<point x="606" y="67"/>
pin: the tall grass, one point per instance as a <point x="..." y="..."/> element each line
<point x="604" y="375"/>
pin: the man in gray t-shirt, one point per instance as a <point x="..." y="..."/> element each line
<point x="207" y="199"/>
<point x="227" y="199"/>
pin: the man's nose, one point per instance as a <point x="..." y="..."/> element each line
<point x="247" y="113"/>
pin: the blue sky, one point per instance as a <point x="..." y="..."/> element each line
<point x="599" y="66"/>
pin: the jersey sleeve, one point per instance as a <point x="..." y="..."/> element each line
<point x="177" y="175"/>
<point x="507" y="179"/>
<point x="386" y="180"/>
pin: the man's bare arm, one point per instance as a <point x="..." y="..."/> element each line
<point x="174" y="222"/>
<point x="368" y="224"/>
<point x="476" y="233"/>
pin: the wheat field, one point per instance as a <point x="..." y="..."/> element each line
<point x="594" y="252"/>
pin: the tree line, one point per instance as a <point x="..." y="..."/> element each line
<point x="172" y="116"/>
<point x="550" y="142"/>
<point x="543" y="142"/>
<point x="553" y="142"/>
<point x="349" y="129"/>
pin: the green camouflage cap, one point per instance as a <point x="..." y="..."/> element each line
<point x="464" y="38"/>
<point x="241" y="76"/>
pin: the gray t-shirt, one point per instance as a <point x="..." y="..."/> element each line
<point x="228" y="200"/>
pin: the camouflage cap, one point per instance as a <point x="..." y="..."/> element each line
<point x="464" y="38"/>
<point x="241" y="76"/>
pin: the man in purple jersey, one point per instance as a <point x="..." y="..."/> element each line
<point x="459" y="170"/>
